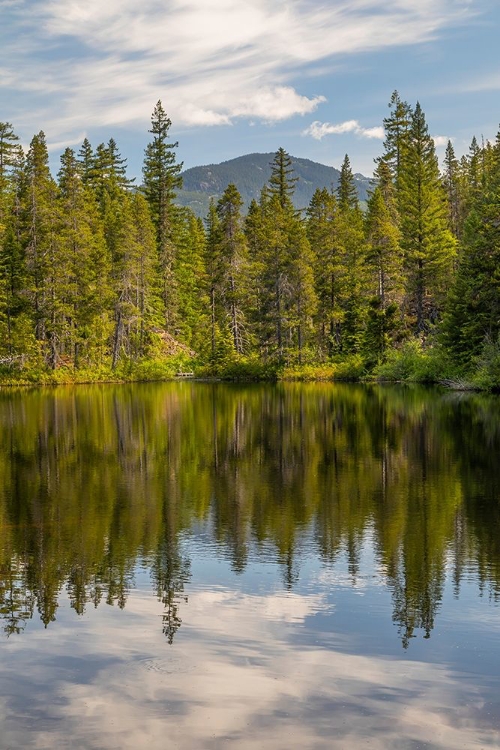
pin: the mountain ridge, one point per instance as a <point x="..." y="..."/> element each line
<point x="250" y="172"/>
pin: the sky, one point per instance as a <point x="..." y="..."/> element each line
<point x="243" y="76"/>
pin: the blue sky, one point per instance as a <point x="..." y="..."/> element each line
<point x="237" y="76"/>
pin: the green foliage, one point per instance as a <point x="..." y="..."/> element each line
<point x="474" y="304"/>
<point x="487" y="366"/>
<point x="397" y="136"/>
<point x="381" y="327"/>
<point x="349" y="368"/>
<point x="415" y="363"/>
<point x="240" y="368"/>
<point x="428" y="245"/>
<point x="161" y="175"/>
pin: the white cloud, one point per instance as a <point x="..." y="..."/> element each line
<point x="318" y="130"/>
<point x="376" y="132"/>
<point x="107" y="63"/>
<point x="441" y="140"/>
<point x="277" y="103"/>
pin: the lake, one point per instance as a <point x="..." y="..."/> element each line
<point x="197" y="566"/>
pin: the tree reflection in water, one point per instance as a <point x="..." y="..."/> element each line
<point x="95" y="481"/>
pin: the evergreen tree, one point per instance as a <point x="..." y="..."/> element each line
<point x="346" y="190"/>
<point x="106" y="182"/>
<point x="161" y="178"/>
<point x="397" y="133"/>
<point x="40" y="223"/>
<point x="301" y="277"/>
<point x="193" y="301"/>
<point x="452" y="186"/>
<point x="86" y="162"/>
<point x="326" y="239"/>
<point x="428" y="244"/>
<point x="86" y="295"/>
<point x="11" y="157"/>
<point x="473" y="164"/>
<point x="8" y="155"/>
<point x="385" y="263"/>
<point x="273" y="277"/>
<point x="118" y="165"/>
<point x="136" y="311"/>
<point x="474" y="307"/>
<point x="232" y="265"/>
<point x="282" y="267"/>
<point x="281" y="182"/>
<point x="384" y="256"/>
<point x="212" y="271"/>
<point x="352" y="233"/>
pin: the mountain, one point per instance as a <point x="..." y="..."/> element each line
<point x="250" y="173"/>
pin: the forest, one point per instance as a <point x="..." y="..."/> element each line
<point x="103" y="279"/>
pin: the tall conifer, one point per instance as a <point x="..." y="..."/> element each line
<point x="428" y="244"/>
<point x="161" y="175"/>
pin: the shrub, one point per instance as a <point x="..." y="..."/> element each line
<point x="413" y="362"/>
<point x="487" y="374"/>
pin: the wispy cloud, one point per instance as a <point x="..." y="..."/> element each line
<point x="318" y="130"/>
<point x="486" y="82"/>
<point x="211" y="63"/>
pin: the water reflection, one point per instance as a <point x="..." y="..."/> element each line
<point x="238" y="676"/>
<point x="98" y="482"/>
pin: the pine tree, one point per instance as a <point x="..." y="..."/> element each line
<point x="106" y="182"/>
<point x="86" y="162"/>
<point x="352" y="232"/>
<point x="283" y="298"/>
<point x="9" y="159"/>
<point x="85" y="260"/>
<point x="273" y="279"/>
<point x="473" y="315"/>
<point x="161" y="178"/>
<point x="385" y="264"/>
<point x="326" y="239"/>
<point x="8" y="153"/>
<point x="118" y="165"/>
<point x="212" y="271"/>
<point x="193" y="301"/>
<point x="347" y="194"/>
<point x="232" y="262"/>
<point x="474" y="171"/>
<point x="301" y="278"/>
<point x="281" y="182"/>
<point x="135" y="308"/>
<point x="397" y="133"/>
<point x="18" y="338"/>
<point x="40" y="223"/>
<point x="428" y="244"/>
<point x="452" y="186"/>
<point x="384" y="256"/>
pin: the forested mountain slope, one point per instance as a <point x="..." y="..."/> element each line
<point x="250" y="173"/>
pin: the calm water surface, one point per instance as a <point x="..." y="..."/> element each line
<point x="204" y="566"/>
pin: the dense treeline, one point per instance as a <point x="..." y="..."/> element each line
<point x="98" y="273"/>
